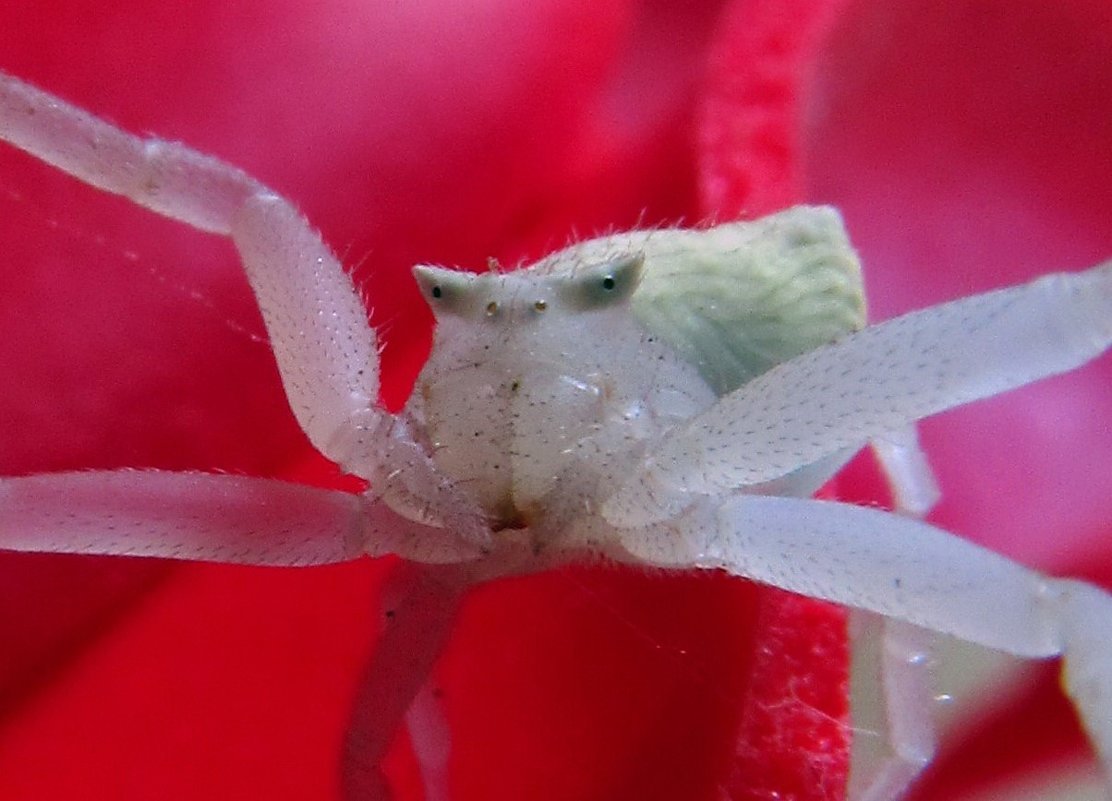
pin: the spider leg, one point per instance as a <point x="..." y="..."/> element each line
<point x="907" y="692"/>
<point x="870" y="382"/>
<point x="318" y="326"/>
<point x="905" y="685"/>
<point x="197" y="516"/>
<point x="209" y="518"/>
<point x="914" y="486"/>
<point x="327" y="353"/>
<point x="431" y="740"/>
<point x="906" y="569"/>
<point x="420" y="606"/>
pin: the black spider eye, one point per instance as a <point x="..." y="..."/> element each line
<point x="448" y="292"/>
<point x="603" y="285"/>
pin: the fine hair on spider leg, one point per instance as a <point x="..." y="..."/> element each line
<point x="670" y="398"/>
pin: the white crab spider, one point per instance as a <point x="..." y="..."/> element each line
<point x="604" y="401"/>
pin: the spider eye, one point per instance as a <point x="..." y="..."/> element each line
<point x="447" y="291"/>
<point x="605" y="284"/>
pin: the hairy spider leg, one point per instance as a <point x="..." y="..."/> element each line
<point x="196" y="516"/>
<point x="420" y="605"/>
<point x="869" y="383"/>
<point x="872" y="382"/>
<point x="328" y="359"/>
<point x="905" y="677"/>
<point x="327" y="353"/>
<point x="905" y="569"/>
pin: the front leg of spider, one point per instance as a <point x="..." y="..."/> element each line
<point x="326" y="352"/>
<point x="328" y="359"/>
<point x="872" y="382"/>
<point x="840" y="396"/>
